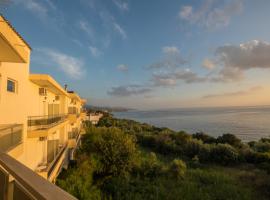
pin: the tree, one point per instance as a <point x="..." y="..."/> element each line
<point x="229" y="139"/>
<point x="116" y="152"/>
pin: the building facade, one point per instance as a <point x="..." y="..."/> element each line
<point x="40" y="121"/>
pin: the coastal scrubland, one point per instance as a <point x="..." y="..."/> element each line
<point x="125" y="159"/>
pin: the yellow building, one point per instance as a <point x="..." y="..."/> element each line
<point x="40" y="121"/>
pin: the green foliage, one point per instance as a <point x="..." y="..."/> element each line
<point x="79" y="182"/>
<point x="151" y="167"/>
<point x="205" y="138"/>
<point x="223" y="154"/>
<point x="229" y="139"/>
<point x="115" y="150"/>
<point x="178" y="168"/>
<point x="111" y="167"/>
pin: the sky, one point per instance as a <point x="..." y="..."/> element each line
<point x="150" y="54"/>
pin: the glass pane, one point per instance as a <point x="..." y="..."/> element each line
<point x="10" y="86"/>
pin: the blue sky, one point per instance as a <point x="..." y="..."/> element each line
<point x="151" y="54"/>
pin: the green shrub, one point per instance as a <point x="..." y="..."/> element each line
<point x="193" y="147"/>
<point x="178" y="168"/>
<point x="116" y="151"/>
<point x="204" y="137"/>
<point x="223" y="154"/>
<point x="151" y="167"/>
<point x="262" y="147"/>
<point x="229" y="139"/>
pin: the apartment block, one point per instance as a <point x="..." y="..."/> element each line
<point x="40" y="123"/>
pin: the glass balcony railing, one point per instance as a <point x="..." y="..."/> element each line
<point x="54" y="159"/>
<point x="10" y="136"/>
<point x="19" y="182"/>
<point x="44" y="122"/>
<point x="72" y="110"/>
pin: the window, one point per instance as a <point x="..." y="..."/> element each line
<point x="11" y="85"/>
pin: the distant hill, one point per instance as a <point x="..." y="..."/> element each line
<point x="108" y="108"/>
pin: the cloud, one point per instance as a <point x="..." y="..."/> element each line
<point x="172" y="59"/>
<point x="234" y="60"/>
<point x="163" y="80"/>
<point x="186" y="12"/>
<point x="86" y="27"/>
<point x="253" y="54"/>
<point x="95" y="51"/>
<point x="122" y="67"/>
<point x="121" y="4"/>
<point x="120" y="30"/>
<point x="208" y="64"/>
<point x="35" y="7"/>
<point x="71" y="66"/>
<point x="170" y="79"/>
<point x="250" y="91"/>
<point x="170" y="50"/>
<point x="111" y="24"/>
<point x="212" y="14"/>
<point x="129" y="90"/>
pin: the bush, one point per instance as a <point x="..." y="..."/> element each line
<point x="116" y="151"/>
<point x="204" y="137"/>
<point x="262" y="147"/>
<point x="193" y="147"/>
<point x="151" y="167"/>
<point x="229" y="139"/>
<point x="178" y="168"/>
<point x="204" y="154"/>
<point x="223" y="154"/>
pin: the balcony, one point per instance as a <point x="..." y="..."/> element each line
<point x="41" y="126"/>
<point x="73" y="138"/>
<point x="12" y="47"/>
<point x="73" y="114"/>
<point x="50" y="169"/>
<point x="19" y="182"/>
<point x="83" y="116"/>
<point x="10" y="136"/>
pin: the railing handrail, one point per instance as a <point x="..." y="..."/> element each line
<point x="10" y="126"/>
<point x="47" y="116"/>
<point x="53" y="163"/>
<point x="37" y="186"/>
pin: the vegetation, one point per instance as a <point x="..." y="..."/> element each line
<point x="124" y="159"/>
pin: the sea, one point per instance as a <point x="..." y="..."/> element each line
<point x="248" y="123"/>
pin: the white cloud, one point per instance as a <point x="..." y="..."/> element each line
<point x="111" y="24"/>
<point x="170" y="50"/>
<point x="234" y="60"/>
<point x="172" y="59"/>
<point x="71" y="66"/>
<point x="95" y="51"/>
<point x="120" y="30"/>
<point x="85" y="26"/>
<point x="185" y="12"/>
<point x="121" y="4"/>
<point x="35" y="7"/>
<point x="122" y="67"/>
<point x="211" y="14"/>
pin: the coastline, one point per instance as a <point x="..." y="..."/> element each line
<point x="248" y="123"/>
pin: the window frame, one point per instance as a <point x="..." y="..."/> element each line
<point x="15" y="88"/>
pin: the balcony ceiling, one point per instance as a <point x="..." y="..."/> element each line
<point x="46" y="81"/>
<point x="8" y="54"/>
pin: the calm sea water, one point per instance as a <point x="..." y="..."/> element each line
<point x="248" y="123"/>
